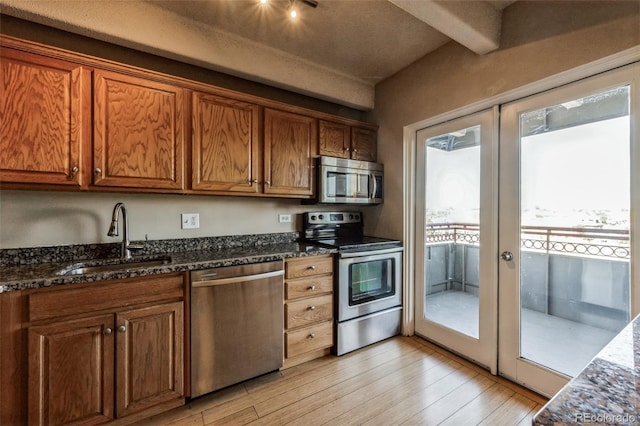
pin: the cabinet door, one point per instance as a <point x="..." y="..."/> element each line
<point x="71" y="372"/>
<point x="290" y="145"/>
<point x="44" y="119"/>
<point x="150" y="347"/>
<point x="225" y="150"/>
<point x="335" y="139"/>
<point x="364" y="144"/>
<point x="138" y="133"/>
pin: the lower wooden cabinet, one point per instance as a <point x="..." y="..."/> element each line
<point x="126" y="360"/>
<point x="308" y="308"/>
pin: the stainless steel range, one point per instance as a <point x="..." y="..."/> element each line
<point x="367" y="280"/>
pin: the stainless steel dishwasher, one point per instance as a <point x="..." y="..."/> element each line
<point x="237" y="322"/>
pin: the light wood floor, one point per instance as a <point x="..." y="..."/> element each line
<point x="404" y="380"/>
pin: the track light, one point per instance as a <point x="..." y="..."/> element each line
<point x="292" y="10"/>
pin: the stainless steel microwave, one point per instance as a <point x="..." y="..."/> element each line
<point x="343" y="181"/>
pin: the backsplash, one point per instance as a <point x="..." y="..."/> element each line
<point x="77" y="252"/>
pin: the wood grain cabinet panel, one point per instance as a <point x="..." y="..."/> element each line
<point x="335" y="139"/>
<point x="364" y="144"/>
<point x="290" y="146"/>
<point x="44" y="119"/>
<point x="225" y="144"/>
<point x="150" y="357"/>
<point x="124" y="364"/>
<point x="71" y="372"/>
<point x="138" y="132"/>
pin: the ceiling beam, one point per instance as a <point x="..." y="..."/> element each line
<point x="473" y="24"/>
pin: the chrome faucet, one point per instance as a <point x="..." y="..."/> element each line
<point x="125" y="252"/>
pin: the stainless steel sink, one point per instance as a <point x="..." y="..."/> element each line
<point x="80" y="269"/>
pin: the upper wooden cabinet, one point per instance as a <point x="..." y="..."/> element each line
<point x="364" y="143"/>
<point x="225" y="144"/>
<point x="290" y="146"/>
<point x="344" y="141"/>
<point x="138" y="132"/>
<point x="44" y="109"/>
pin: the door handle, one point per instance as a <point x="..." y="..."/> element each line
<point x="506" y="256"/>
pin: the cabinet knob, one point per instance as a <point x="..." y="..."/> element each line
<point x="311" y="288"/>
<point x="107" y="331"/>
<point x="252" y="181"/>
<point x="312" y="308"/>
<point x="74" y="170"/>
<point x="268" y="182"/>
<point x="122" y="329"/>
<point x="98" y="171"/>
<point x="312" y="267"/>
<point x="311" y="336"/>
<point x="347" y="149"/>
<point x="355" y="149"/>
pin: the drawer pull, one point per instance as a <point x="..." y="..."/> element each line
<point x="312" y="288"/>
<point x="107" y="331"/>
<point x="312" y="308"/>
<point x="312" y="267"/>
<point x="311" y="336"/>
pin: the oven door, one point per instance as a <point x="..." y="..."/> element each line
<point x="368" y="282"/>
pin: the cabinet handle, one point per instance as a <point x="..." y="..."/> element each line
<point x="98" y="171"/>
<point x="122" y="329"/>
<point x="268" y="182"/>
<point x="252" y="181"/>
<point x="107" y="331"/>
<point x="355" y="149"/>
<point x="312" y="308"/>
<point x="347" y="149"/>
<point x="312" y="267"/>
<point x="312" y="288"/>
<point x="74" y="170"/>
<point x="311" y="336"/>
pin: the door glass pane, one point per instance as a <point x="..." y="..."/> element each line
<point x="574" y="255"/>
<point x="452" y="230"/>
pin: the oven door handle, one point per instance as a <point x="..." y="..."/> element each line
<point x="371" y="252"/>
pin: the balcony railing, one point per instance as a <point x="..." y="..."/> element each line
<point x="597" y="242"/>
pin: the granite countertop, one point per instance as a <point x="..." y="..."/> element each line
<point x="23" y="276"/>
<point x="607" y="391"/>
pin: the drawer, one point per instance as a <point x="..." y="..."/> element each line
<point x="304" y="287"/>
<point x="309" y="339"/>
<point x="309" y="311"/>
<point x="308" y="266"/>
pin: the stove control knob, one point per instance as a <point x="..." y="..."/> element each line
<point x="350" y="216"/>
<point x="313" y="217"/>
<point x="357" y="217"/>
<point x="321" y="217"/>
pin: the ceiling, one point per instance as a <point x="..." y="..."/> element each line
<point x="337" y="51"/>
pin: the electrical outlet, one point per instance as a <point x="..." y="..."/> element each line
<point x="284" y="218"/>
<point x="190" y="220"/>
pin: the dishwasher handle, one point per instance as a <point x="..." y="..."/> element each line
<point x="238" y="279"/>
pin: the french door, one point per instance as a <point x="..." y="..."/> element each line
<point x="456" y="190"/>
<point x="566" y="191"/>
<point x="524" y="252"/>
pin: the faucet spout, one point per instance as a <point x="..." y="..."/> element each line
<point x="125" y="251"/>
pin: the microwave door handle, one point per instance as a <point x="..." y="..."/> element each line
<point x="375" y="185"/>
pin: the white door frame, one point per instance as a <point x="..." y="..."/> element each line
<point x="409" y="165"/>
